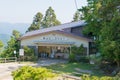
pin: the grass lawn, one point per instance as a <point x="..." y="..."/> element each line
<point x="70" y="68"/>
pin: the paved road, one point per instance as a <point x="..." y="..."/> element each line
<point x="7" y="68"/>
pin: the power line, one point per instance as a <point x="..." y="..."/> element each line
<point x="76" y="4"/>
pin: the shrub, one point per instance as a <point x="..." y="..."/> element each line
<point x="84" y="59"/>
<point x="96" y="59"/>
<point x="78" y="50"/>
<point x="32" y="73"/>
<point x="29" y="54"/>
<point x="88" y="77"/>
<point x="78" y="54"/>
<point x="72" y="57"/>
<point x="117" y="77"/>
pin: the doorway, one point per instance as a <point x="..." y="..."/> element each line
<point x="53" y="52"/>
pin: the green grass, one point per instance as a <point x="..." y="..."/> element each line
<point x="69" y="68"/>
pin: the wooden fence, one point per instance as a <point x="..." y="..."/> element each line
<point x="9" y="59"/>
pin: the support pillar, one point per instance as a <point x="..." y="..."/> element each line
<point x="70" y="49"/>
<point x="87" y="51"/>
<point x="36" y="51"/>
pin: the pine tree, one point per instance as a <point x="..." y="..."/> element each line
<point x="36" y="24"/>
<point x="102" y="18"/>
<point x="12" y="44"/>
<point x="50" y="18"/>
<point x="16" y="34"/>
<point x="76" y="16"/>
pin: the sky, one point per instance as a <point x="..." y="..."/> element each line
<point x="23" y="11"/>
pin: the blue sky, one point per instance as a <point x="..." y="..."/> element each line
<point x="23" y="11"/>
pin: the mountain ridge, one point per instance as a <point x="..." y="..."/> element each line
<point x="4" y="38"/>
<point x="6" y="29"/>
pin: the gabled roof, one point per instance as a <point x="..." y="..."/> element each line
<point x="54" y="28"/>
<point x="73" y="35"/>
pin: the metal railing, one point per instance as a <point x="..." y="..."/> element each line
<point x="9" y="59"/>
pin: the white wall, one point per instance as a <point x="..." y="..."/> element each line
<point x="51" y="37"/>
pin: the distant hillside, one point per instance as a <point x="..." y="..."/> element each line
<point x="4" y="38"/>
<point x="7" y="28"/>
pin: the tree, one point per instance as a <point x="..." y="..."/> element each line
<point x="16" y="34"/>
<point x="102" y="18"/>
<point x="76" y="16"/>
<point x="1" y="44"/>
<point x="36" y="24"/>
<point x="12" y="44"/>
<point x="50" y="18"/>
<point x="29" y="53"/>
<point x="40" y="22"/>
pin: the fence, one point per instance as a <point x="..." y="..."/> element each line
<point x="9" y="59"/>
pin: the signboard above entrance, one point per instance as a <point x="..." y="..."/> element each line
<point x="54" y="39"/>
<point x="59" y="38"/>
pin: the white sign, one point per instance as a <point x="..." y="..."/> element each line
<point x="21" y="52"/>
<point x="58" y="38"/>
<point x="14" y="52"/>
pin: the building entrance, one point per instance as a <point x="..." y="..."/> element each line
<point x="53" y="52"/>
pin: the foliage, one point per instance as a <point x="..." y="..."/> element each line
<point x="1" y="44"/>
<point x="74" y="49"/>
<point x="8" y="52"/>
<point x="95" y="59"/>
<point x="29" y="54"/>
<point x="40" y="22"/>
<point x="117" y="77"/>
<point x="50" y="19"/>
<point x="32" y="73"/>
<point x="78" y="54"/>
<point x="76" y="16"/>
<point x="102" y="18"/>
<point x="36" y="24"/>
<point x="72" y="57"/>
<point x="88" y="77"/>
<point x="78" y="50"/>
<point x="12" y="44"/>
<point x="16" y="34"/>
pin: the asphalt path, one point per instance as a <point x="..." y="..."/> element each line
<point x="7" y="68"/>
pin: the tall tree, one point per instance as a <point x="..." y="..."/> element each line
<point x="12" y="44"/>
<point x="77" y="16"/>
<point x="102" y="18"/>
<point x="16" y="34"/>
<point x="36" y="24"/>
<point x="50" y="18"/>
